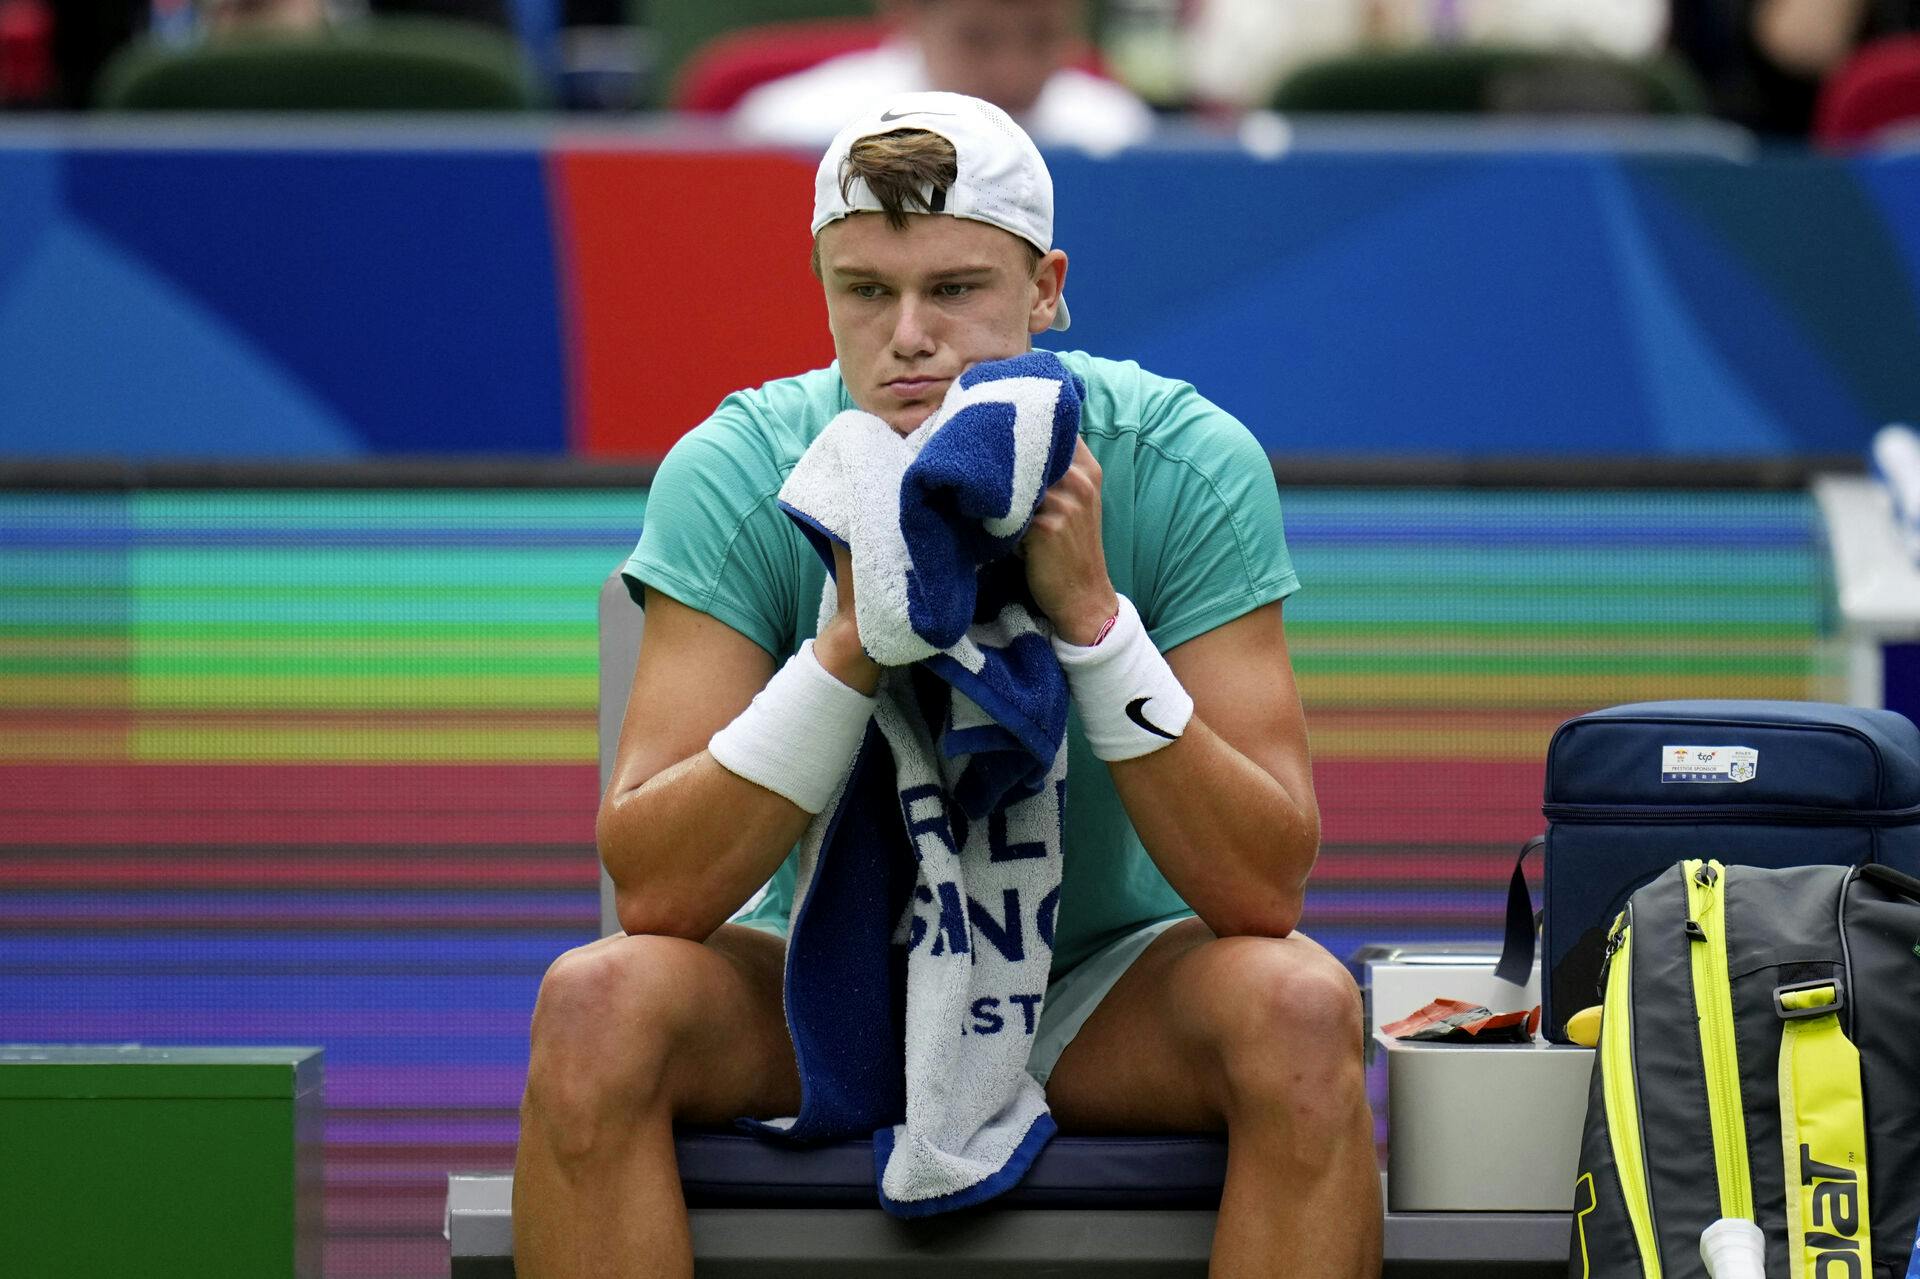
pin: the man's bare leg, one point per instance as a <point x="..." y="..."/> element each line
<point x="628" y="1034"/>
<point x="1262" y="1037"/>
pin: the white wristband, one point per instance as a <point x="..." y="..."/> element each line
<point x="1129" y="698"/>
<point x="799" y="733"/>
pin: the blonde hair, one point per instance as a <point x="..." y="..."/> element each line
<point x="900" y="168"/>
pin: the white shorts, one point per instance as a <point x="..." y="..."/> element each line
<point x="1072" y="999"/>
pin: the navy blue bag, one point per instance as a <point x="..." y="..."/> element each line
<point x="1633" y="789"/>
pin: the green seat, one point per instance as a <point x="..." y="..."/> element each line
<point x="1492" y="80"/>
<point x="680" y="27"/>
<point x="413" y="64"/>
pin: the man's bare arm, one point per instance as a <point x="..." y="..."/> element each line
<point x="686" y="841"/>
<point x="1227" y="812"/>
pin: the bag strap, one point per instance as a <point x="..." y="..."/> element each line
<point x="1896" y="881"/>
<point x="1823" y="1139"/>
<point x="1516" y="951"/>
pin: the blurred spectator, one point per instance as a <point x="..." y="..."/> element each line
<point x="224" y="17"/>
<point x="1240" y="50"/>
<point x="1013" y="53"/>
<point x="1763" y="60"/>
<point x="1809" y="38"/>
<point x="284" y="17"/>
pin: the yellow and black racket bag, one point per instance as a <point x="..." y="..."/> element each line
<point x="1759" y="1057"/>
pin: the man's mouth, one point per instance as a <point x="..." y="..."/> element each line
<point x="908" y="388"/>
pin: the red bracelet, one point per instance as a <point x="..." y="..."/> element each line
<point x="1104" y="628"/>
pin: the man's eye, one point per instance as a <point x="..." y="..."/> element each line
<point x="955" y="290"/>
<point x="868" y="291"/>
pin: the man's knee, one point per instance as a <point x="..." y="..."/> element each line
<point x="611" y="1019"/>
<point x="1298" y="1032"/>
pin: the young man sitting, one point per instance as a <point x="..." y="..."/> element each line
<point x="1181" y="998"/>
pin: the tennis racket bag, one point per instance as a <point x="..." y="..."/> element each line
<point x="1634" y="789"/>
<point x="1757" y="1059"/>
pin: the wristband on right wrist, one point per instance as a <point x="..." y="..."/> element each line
<point x="799" y="733"/>
<point x="1131" y="703"/>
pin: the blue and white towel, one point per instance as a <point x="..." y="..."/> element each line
<point x="922" y="930"/>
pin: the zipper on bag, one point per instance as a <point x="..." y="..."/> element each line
<point x="1620" y="1092"/>
<point x="1719" y="1054"/>
<point x="1792" y="814"/>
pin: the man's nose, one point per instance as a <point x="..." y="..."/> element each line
<point x="913" y="328"/>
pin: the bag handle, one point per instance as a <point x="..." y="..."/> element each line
<point x="1517" y="950"/>
<point x="1893" y="880"/>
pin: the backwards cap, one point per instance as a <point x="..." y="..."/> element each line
<point x="1001" y="179"/>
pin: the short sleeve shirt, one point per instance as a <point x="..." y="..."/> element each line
<point x="1190" y="522"/>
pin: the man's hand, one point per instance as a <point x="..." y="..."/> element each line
<point x="1066" y="564"/>
<point x="838" y="644"/>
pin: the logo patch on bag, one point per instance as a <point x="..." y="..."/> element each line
<point x="1708" y="763"/>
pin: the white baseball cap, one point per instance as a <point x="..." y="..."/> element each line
<point x="1001" y="178"/>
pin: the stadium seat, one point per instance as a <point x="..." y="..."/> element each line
<point x="1491" y="80"/>
<point x="1875" y="90"/>
<point x="722" y="71"/>
<point x="681" y="27"/>
<point x="414" y="64"/>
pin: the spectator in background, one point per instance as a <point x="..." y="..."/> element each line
<point x="1240" y="50"/>
<point x="279" y="17"/>
<point x="1013" y="53"/>
<point x="226" y="17"/>
<point x="1763" y="60"/>
<point x="1812" y="37"/>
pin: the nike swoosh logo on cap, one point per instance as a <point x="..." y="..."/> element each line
<point x="1134" y="708"/>
<point x="887" y="117"/>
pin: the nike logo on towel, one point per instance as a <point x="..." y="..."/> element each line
<point x="888" y="117"/>
<point x="1134" y="708"/>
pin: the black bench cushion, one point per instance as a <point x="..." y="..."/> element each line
<point x="724" y="1169"/>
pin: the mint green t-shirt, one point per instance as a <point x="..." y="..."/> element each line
<point x="1190" y="521"/>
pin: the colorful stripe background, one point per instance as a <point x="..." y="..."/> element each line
<point x="317" y="767"/>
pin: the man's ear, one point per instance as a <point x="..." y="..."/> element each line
<point x="1050" y="282"/>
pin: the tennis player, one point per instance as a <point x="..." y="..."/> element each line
<point x="1182" y="997"/>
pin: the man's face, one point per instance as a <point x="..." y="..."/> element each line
<point x="1000" y="50"/>
<point x="911" y="310"/>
